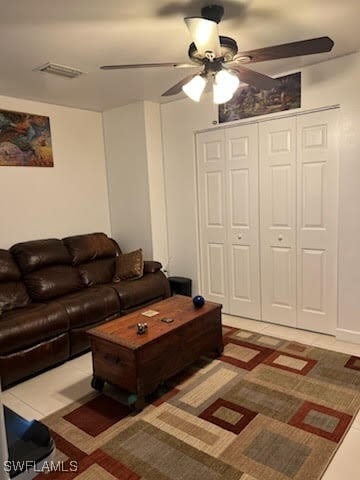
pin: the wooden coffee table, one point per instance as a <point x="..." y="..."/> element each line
<point x="140" y="363"/>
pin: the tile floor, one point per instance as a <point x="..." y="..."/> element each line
<point x="46" y="393"/>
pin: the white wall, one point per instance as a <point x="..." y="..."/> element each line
<point x="127" y="170"/>
<point x="156" y="181"/>
<point x="136" y="179"/>
<point x="134" y="160"/>
<point x="180" y="120"/>
<point x="328" y="83"/>
<point x="68" y="199"/>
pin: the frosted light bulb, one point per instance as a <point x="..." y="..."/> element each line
<point x="195" y="87"/>
<point x="225" y="85"/>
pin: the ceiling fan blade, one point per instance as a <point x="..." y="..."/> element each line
<point x="258" y="80"/>
<point x="175" y="89"/>
<point x="148" y="65"/>
<point x="205" y="34"/>
<point x="286" y="50"/>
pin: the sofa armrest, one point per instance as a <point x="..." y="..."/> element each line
<point x="151" y="266"/>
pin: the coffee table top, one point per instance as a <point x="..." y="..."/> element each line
<point x="123" y="330"/>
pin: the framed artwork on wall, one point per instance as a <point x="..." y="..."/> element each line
<point x="25" y="140"/>
<point x="249" y="101"/>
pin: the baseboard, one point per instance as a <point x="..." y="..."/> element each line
<point x="347" y="335"/>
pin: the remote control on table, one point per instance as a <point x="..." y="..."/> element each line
<point x="167" y="320"/>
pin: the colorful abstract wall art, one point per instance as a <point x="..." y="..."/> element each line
<point x="25" y="140"/>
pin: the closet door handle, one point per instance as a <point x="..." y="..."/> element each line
<point x="239" y="236"/>
<point x="280" y="237"/>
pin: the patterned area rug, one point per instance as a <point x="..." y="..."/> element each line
<point x="268" y="409"/>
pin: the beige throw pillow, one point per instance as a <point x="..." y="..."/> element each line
<point x="129" y="266"/>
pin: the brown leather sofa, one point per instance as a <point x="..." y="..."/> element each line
<point x="52" y="291"/>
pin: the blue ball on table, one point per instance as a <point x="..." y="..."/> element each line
<point x="198" y="301"/>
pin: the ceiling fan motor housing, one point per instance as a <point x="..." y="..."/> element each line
<point x="213" y="13"/>
<point x="228" y="46"/>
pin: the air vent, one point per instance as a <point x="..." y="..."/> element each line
<point x="60" y="70"/>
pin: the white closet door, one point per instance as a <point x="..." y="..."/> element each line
<point x="242" y="209"/>
<point x="317" y="219"/>
<point x="212" y="216"/>
<point x="278" y="220"/>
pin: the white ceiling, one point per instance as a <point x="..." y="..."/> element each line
<point x="88" y="33"/>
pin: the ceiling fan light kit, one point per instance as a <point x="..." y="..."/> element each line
<point x="221" y="62"/>
<point x="206" y="34"/>
<point x="225" y="85"/>
<point x="195" y="87"/>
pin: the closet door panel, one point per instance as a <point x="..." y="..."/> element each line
<point x="242" y="208"/>
<point x="281" y="269"/>
<point x="313" y="281"/>
<point x="213" y="216"/>
<point x="241" y="273"/>
<point x="239" y="190"/>
<point x="317" y="218"/>
<point x="277" y="140"/>
<point x="216" y="269"/>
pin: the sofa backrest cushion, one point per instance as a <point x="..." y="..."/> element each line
<point x="52" y="282"/>
<point x="9" y="271"/>
<point x="97" y="271"/>
<point x="13" y="293"/>
<point x="91" y="246"/>
<point x="37" y="254"/>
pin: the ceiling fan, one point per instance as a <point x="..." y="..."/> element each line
<point x="221" y="61"/>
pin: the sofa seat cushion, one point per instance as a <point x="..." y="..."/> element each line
<point x="28" y="326"/>
<point x="142" y="290"/>
<point x="90" y="306"/>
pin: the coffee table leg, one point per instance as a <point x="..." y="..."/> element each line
<point x="97" y="383"/>
<point x="220" y="350"/>
<point x="140" y="403"/>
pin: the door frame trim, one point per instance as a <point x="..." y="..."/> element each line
<point x="266" y="118"/>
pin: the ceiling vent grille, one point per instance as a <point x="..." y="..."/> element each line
<point x="60" y="70"/>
